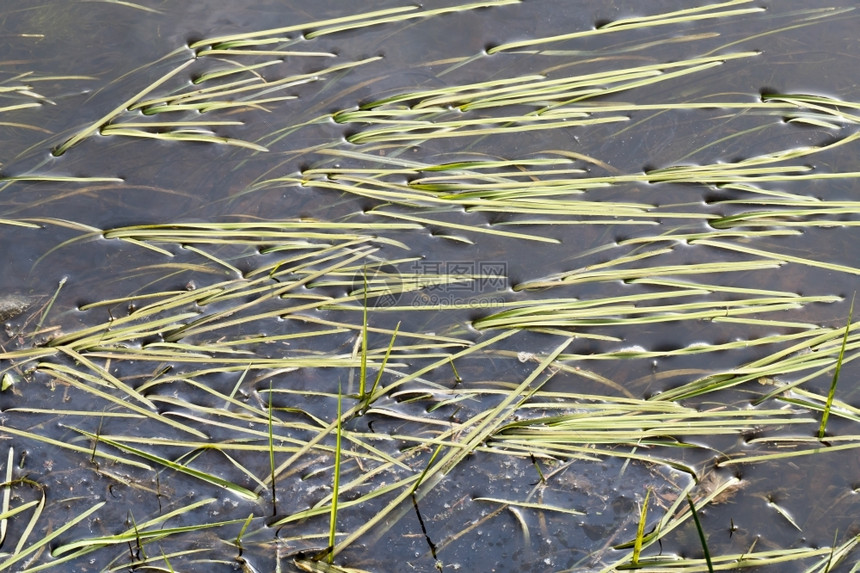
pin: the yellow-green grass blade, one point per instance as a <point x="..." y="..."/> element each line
<point x="150" y="530"/>
<point x="181" y="135"/>
<point x="587" y="275"/>
<point x="21" y="554"/>
<point x="484" y="426"/>
<point x="47" y="177"/>
<point x="127" y="4"/>
<point x="531" y="505"/>
<point x="299" y="27"/>
<point x="743" y="459"/>
<point x="451" y="225"/>
<point x="340" y="27"/>
<point x="102" y="374"/>
<point x="337" y="467"/>
<point x="70" y="376"/>
<point x="477" y="347"/>
<point x="676" y="17"/>
<point x="95" y="126"/>
<point x="209" y="478"/>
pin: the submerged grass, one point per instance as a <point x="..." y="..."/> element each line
<point x="256" y="363"/>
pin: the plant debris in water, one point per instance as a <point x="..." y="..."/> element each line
<point x="436" y="323"/>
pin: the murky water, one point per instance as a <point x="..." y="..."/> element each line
<point x="116" y="50"/>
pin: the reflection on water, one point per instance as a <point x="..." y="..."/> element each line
<point x="565" y="510"/>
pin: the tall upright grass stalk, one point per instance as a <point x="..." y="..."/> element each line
<point x="332" y="531"/>
<point x="141" y="533"/>
<point x="825" y="414"/>
<point x="369" y="397"/>
<point x="92" y="129"/>
<point x="241" y="533"/>
<point x="272" y="453"/>
<point x="362" y="378"/>
<point x="701" y="533"/>
<point x="50" y="304"/>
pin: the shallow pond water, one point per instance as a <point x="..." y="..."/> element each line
<point x="492" y="231"/>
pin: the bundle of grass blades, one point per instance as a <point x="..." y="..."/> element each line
<point x="237" y="83"/>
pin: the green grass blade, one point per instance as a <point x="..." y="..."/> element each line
<point x="93" y="128"/>
<point x="209" y="478"/>
<point x="832" y="392"/>
<point x="640" y="530"/>
<point x="362" y="377"/>
<point x="7" y="494"/>
<point x="19" y="555"/>
<point x="271" y="452"/>
<point x="701" y="533"/>
<point x="332" y="532"/>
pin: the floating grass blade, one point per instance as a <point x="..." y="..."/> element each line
<point x="832" y="392"/>
<point x="7" y="494"/>
<point x="70" y="376"/>
<point x="34" y="518"/>
<point x="134" y="5"/>
<point x="215" y="480"/>
<point x="182" y="135"/>
<point x="21" y="553"/>
<point x="679" y="16"/>
<point x="43" y="178"/>
<point x="489" y="231"/>
<point x="298" y="27"/>
<point x="529" y="505"/>
<point x="142" y="533"/>
<point x="98" y="124"/>
<point x="264" y="305"/>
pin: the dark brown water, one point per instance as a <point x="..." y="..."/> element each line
<point x="117" y="49"/>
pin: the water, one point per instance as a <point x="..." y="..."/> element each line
<point x="116" y="49"/>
